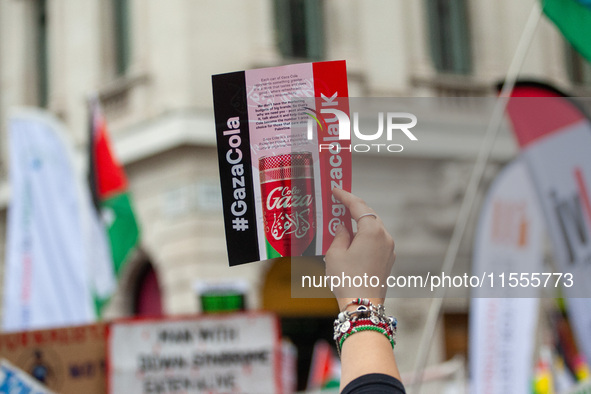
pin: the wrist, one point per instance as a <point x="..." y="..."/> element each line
<point x="361" y="314"/>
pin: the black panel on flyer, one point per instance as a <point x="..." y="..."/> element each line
<point x="233" y="141"/>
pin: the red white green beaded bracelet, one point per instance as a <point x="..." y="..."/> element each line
<point x="365" y="328"/>
<point x="349" y="325"/>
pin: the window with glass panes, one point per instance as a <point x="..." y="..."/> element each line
<point x="42" y="55"/>
<point x="300" y="28"/>
<point x="121" y="35"/>
<point x="449" y="36"/>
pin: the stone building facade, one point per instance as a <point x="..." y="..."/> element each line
<point x="151" y="63"/>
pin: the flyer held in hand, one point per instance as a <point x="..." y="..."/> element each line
<point x="280" y="154"/>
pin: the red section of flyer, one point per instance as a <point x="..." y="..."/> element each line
<point x="331" y="92"/>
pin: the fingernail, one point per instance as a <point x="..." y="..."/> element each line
<point x="339" y="228"/>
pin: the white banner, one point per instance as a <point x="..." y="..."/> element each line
<point x="232" y="353"/>
<point x="555" y="138"/>
<point x="502" y="330"/>
<point x="46" y="279"/>
<point x="564" y="185"/>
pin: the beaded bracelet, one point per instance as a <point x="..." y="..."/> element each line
<point x="386" y="326"/>
<point x="358" y="301"/>
<point x="367" y="317"/>
<point x="361" y="325"/>
<point x="379" y="309"/>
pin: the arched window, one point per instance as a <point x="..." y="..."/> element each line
<point x="147" y="300"/>
<point x="303" y="320"/>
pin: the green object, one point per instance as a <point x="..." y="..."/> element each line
<point x="271" y="252"/>
<point x="222" y="301"/>
<point x="123" y="230"/>
<point x="365" y="328"/>
<point x="573" y="19"/>
<point x="123" y="236"/>
<point x="331" y="385"/>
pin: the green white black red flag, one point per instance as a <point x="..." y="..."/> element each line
<point x="111" y="196"/>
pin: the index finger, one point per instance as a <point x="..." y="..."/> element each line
<point x="356" y="206"/>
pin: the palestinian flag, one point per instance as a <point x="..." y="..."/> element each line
<point x="111" y="197"/>
<point x="573" y="18"/>
<point x="325" y="368"/>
